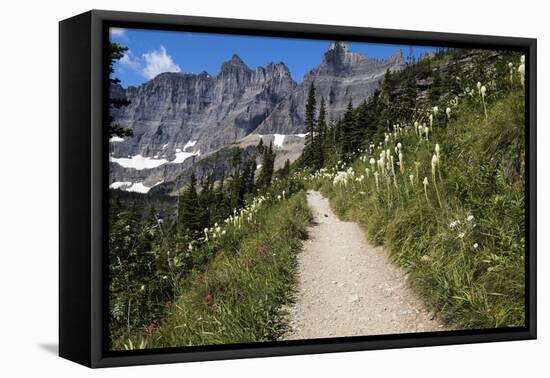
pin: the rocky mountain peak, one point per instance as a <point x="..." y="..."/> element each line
<point x="234" y="63"/>
<point x="338" y="59"/>
<point x="341" y="47"/>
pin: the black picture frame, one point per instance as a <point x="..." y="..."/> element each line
<point x="83" y="167"/>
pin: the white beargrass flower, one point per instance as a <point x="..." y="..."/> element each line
<point x="399" y="145"/>
<point x="476" y="246"/>
<point x="435" y="161"/>
<point x="437" y="149"/>
<point x="372" y="163"/>
<point x="426" y="131"/>
<point x="367" y="171"/>
<point x="376" y="180"/>
<point x="436" y="110"/>
<point x="401" y="165"/>
<point x="431" y="120"/>
<point x="479" y="86"/>
<point x="411" y="179"/>
<point x="448" y="111"/>
<point x="453" y="224"/>
<point x="483" y="90"/>
<point x="380" y="164"/>
<point x="522" y="59"/>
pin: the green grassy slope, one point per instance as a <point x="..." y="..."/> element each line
<point x="238" y="296"/>
<point x="465" y="250"/>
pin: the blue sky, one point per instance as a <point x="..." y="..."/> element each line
<point x="152" y="52"/>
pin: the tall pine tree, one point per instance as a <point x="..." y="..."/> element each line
<point x="268" y="162"/>
<point x="309" y="126"/>
<point x="116" y="52"/>
<point x="319" y="143"/>
<point x="347" y="130"/>
<point x="189" y="212"/>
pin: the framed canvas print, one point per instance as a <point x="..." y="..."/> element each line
<point x="234" y="188"/>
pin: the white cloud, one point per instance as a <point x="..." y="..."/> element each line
<point x="118" y="32"/>
<point x="131" y="61"/>
<point x="157" y="62"/>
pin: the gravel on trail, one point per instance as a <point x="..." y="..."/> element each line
<point x="347" y="287"/>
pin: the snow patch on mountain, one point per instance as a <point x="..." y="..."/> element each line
<point x="189" y="144"/>
<point x="278" y="140"/>
<point x="181" y="156"/>
<point x="120" y="184"/>
<point x="137" y="187"/>
<point x="138" y="162"/>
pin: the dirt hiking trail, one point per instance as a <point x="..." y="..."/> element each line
<point x="347" y="287"/>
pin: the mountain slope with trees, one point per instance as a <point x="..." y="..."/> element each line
<point x="432" y="166"/>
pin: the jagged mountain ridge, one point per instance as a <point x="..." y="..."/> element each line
<point x="174" y="108"/>
<point x="182" y="117"/>
<point x="341" y="76"/>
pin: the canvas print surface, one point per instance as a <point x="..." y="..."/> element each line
<point x="268" y="189"/>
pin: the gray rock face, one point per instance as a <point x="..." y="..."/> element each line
<point x="176" y="115"/>
<point x="175" y="108"/>
<point x="341" y="76"/>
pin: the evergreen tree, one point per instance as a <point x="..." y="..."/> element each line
<point x="206" y="198"/>
<point x="236" y="197"/>
<point x="260" y="147"/>
<point x="266" y="174"/>
<point x="248" y="177"/>
<point x="408" y="99"/>
<point x="337" y="135"/>
<point x="285" y="171"/>
<point x="222" y="205"/>
<point x="320" y="143"/>
<point x="189" y="212"/>
<point x="360" y="125"/>
<point x="387" y="86"/>
<point x="236" y="159"/>
<point x="435" y="89"/>
<point x="309" y="126"/>
<point x="348" y="126"/>
<point x="116" y="53"/>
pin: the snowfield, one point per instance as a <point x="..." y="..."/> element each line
<point x="181" y="156"/>
<point x="191" y="143"/>
<point x="137" y="187"/>
<point x="143" y="162"/>
<point x="116" y="139"/>
<point x="279" y="139"/>
<point x="138" y="162"/>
